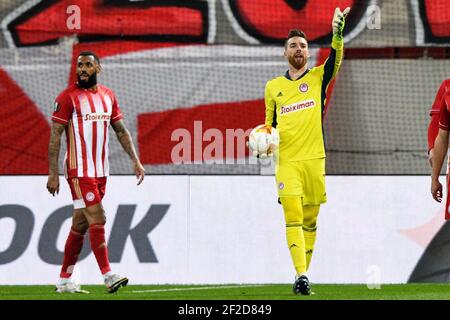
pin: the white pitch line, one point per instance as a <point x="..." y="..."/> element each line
<point x="197" y="288"/>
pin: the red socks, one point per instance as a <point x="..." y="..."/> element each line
<point x="98" y="246"/>
<point x="74" y="244"/>
<point x="72" y="249"/>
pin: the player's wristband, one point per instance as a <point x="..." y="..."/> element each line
<point x="337" y="42"/>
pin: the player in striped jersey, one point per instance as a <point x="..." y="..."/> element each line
<point x="84" y="111"/>
<point x="433" y="127"/>
<point x="440" y="150"/>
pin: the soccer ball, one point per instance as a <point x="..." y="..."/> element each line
<point x="263" y="141"/>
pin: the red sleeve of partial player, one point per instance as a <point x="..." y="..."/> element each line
<point x="437" y="100"/>
<point x="433" y="130"/>
<point x="444" y="115"/>
<point x="116" y="114"/>
<point x="62" y="108"/>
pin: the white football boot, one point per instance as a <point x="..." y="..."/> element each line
<point x="69" y="287"/>
<point x="114" y="282"/>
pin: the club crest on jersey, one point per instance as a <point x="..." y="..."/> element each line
<point x="303" y="87"/>
<point x="281" y="186"/>
<point x="56" y="107"/>
<point x="90" y="196"/>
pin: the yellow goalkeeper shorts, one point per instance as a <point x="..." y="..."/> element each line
<point x="305" y="178"/>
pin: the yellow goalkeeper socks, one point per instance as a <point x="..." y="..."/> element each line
<point x="310" y="214"/>
<point x="310" y="239"/>
<point x="293" y="212"/>
<point x="296" y="244"/>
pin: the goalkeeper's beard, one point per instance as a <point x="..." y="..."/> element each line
<point x="89" y="83"/>
<point x="298" y="63"/>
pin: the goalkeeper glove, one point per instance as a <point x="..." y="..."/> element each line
<point x="339" y="21"/>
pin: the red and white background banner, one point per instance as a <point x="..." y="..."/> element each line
<point x="40" y="23"/>
<point x="185" y="229"/>
<point x="201" y="66"/>
<point x="206" y="90"/>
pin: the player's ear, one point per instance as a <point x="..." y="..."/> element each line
<point x="98" y="68"/>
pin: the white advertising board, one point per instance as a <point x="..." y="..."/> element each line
<point x="220" y="229"/>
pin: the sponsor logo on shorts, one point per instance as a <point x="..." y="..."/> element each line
<point x="303" y="87"/>
<point x="281" y="185"/>
<point x="298" y="106"/>
<point x="90" y="196"/>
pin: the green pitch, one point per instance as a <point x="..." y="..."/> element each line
<point x="235" y="292"/>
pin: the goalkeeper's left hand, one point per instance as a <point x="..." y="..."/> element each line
<point x="339" y="21"/>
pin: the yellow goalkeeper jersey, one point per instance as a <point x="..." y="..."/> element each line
<point x="295" y="107"/>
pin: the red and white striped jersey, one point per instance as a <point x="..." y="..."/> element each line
<point x="87" y="115"/>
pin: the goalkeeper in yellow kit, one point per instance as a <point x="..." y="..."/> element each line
<point x="294" y="105"/>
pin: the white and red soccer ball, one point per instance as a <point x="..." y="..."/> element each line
<point x="263" y="141"/>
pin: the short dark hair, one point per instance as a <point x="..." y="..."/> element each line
<point x="89" y="53"/>
<point x="295" y="33"/>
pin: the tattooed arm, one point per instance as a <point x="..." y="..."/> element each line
<point x="53" y="155"/>
<point x="124" y="137"/>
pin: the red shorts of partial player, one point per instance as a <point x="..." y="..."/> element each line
<point x="87" y="192"/>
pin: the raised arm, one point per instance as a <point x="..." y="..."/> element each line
<point x="333" y="62"/>
<point x="53" y="155"/>
<point x="124" y="137"/>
